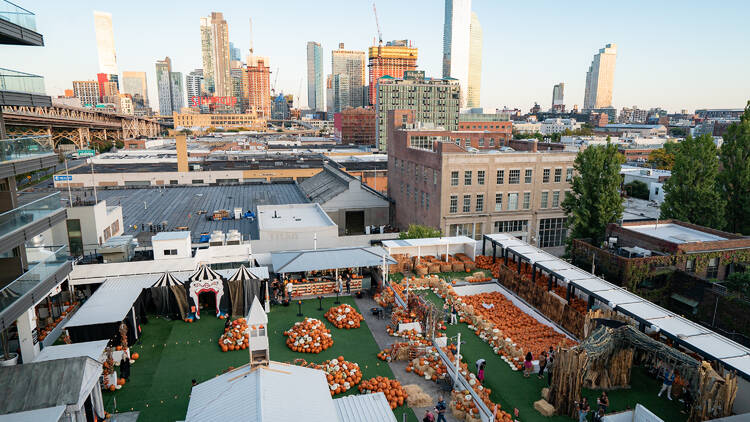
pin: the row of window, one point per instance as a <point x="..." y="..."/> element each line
<point x="421" y="198"/>
<point x="419" y="172"/>
<point x="512" y="201"/>
<point x="514" y="176"/>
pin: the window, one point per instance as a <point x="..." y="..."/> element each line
<point x="512" y="201"/>
<point x="480" y="203"/>
<point x="690" y="266"/>
<point x="481" y="142"/>
<point x="75" y="237"/>
<point x="543" y="202"/>
<point x="427" y="200"/>
<point x="454" y="178"/>
<point x="555" y="199"/>
<point x="173" y="182"/>
<point x="713" y="268"/>
<point x="170" y="251"/>
<point x="569" y="174"/>
<point x="528" y="176"/>
<point x="480" y="177"/>
<point x="545" y="176"/>
<point x="514" y="177"/>
<point x="454" y="204"/>
<point x="492" y="142"/>
<point x="434" y="177"/>
<point x="500" y="177"/>
<point x="421" y="199"/>
<point x="466" y="229"/>
<point x="408" y="191"/>
<point x="115" y="226"/>
<point x="526" y="200"/>
<point x="558" y="175"/>
<point x="552" y="232"/>
<point x="107" y="233"/>
<point x="511" y="226"/>
<point x="197" y="181"/>
<point x="467" y="203"/>
<point x="498" y="202"/>
<point x="424" y="174"/>
<point x="467" y="177"/>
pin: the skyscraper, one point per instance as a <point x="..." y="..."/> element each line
<point x="134" y="83"/>
<point x="475" y="63"/>
<point x="170" y="87"/>
<point x="234" y="52"/>
<point x="600" y="79"/>
<point x="391" y="59"/>
<point x="315" y="100"/>
<point x="216" y="54"/>
<point x="558" y="94"/>
<point x="105" y="43"/>
<point x="259" y="85"/>
<point x="456" y="43"/>
<point x="341" y="88"/>
<point x="351" y="64"/>
<point x="194" y="85"/>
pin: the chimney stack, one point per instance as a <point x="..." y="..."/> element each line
<point x="535" y="145"/>
<point x="182" y="155"/>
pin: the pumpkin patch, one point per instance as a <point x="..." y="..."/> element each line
<point x="344" y="316"/>
<point x="309" y="336"/>
<point x="235" y="336"/>
<point x="340" y="374"/>
<point x="394" y="392"/>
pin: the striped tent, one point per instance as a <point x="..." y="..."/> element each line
<point x="168" y="297"/>
<point x="244" y="285"/>
<point x="206" y="280"/>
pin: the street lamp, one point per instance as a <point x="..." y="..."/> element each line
<point x="299" y="308"/>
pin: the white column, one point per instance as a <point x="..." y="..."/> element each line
<point x="26" y="324"/>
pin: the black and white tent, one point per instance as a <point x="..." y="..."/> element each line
<point x="169" y="297"/>
<point x="207" y="280"/>
<point x="244" y="285"/>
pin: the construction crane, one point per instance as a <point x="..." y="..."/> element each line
<point x="275" y="78"/>
<point x="377" y="24"/>
<point x="299" y="92"/>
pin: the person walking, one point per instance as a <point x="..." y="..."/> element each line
<point x="603" y="402"/>
<point x="667" y="385"/>
<point x="440" y="409"/>
<point x="339" y="285"/>
<point x="528" y="367"/>
<point x="480" y="363"/>
<point x="480" y="374"/>
<point x="454" y="314"/>
<point x="125" y="367"/>
<point x="289" y="289"/>
<point x="542" y="364"/>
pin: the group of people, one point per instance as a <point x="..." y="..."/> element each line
<point x="545" y="363"/>
<point x="451" y="313"/>
<point x="440" y="408"/>
<point x="281" y="291"/>
<point x="584" y="408"/>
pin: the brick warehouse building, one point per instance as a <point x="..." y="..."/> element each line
<point x="356" y="126"/>
<point x="436" y="181"/>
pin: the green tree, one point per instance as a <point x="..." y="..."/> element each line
<point x="735" y="175"/>
<point x="418" y="231"/>
<point x="595" y="199"/>
<point x="637" y="189"/>
<point x="739" y="282"/>
<point x="663" y="158"/>
<point x="692" y="194"/>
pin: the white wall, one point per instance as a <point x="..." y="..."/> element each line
<point x="182" y="246"/>
<point x="94" y="221"/>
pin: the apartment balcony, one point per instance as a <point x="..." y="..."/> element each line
<point x="48" y="269"/>
<point x="18" y="25"/>
<point x="21" y="88"/>
<point x="24" y="222"/>
<point x="24" y="154"/>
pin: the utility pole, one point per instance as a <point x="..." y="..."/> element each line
<point x="458" y="360"/>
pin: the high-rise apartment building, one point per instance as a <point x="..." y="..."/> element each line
<point x="558" y="98"/>
<point x="434" y="100"/>
<point x="107" y="87"/>
<point x="259" y="86"/>
<point x="105" y="43"/>
<point x="234" y="53"/>
<point x="315" y="99"/>
<point x="600" y="79"/>
<point x="134" y="83"/>
<point x="87" y="91"/>
<point x="216" y="54"/>
<point x="170" y="88"/>
<point x="350" y="63"/>
<point x="341" y="91"/>
<point x="194" y="84"/>
<point x="475" y="63"/>
<point x="240" y="88"/>
<point x="457" y="42"/>
<point x="632" y="115"/>
<point x="392" y="59"/>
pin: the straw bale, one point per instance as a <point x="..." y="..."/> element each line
<point x="417" y="397"/>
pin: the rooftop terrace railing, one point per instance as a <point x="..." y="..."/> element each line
<point x="13" y="80"/>
<point x="26" y="214"/>
<point x="50" y="259"/>
<point x="24" y="147"/>
<point x="17" y="14"/>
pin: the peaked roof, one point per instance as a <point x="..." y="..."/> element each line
<point x="330" y="183"/>
<point x="204" y="273"/>
<point x="257" y="314"/>
<point x="364" y="408"/>
<point x="243" y="274"/>
<point x="167" y="280"/>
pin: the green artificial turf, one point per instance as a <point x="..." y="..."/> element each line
<point x="512" y="390"/>
<point x="172" y="353"/>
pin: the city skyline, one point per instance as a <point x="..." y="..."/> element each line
<point x="515" y="73"/>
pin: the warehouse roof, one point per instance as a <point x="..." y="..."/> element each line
<point x="292" y="216"/>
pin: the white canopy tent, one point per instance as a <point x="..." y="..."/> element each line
<point x="434" y="246"/>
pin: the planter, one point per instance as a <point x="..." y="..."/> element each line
<point x="9" y="362"/>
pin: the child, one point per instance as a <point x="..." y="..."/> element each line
<point x="527" y="365"/>
<point x="480" y="374"/>
<point x="542" y="364"/>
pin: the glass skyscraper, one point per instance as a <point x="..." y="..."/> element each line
<point x="315" y="96"/>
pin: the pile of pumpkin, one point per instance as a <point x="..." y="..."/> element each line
<point x="309" y="336"/>
<point x="394" y="392"/>
<point x="235" y="336"/>
<point x="344" y="316"/>
<point x="340" y="374"/>
<point x="462" y="403"/>
<point x="44" y="332"/>
<point x="429" y="366"/>
<point x="485" y="262"/>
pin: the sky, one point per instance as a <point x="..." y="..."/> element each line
<point x="671" y="54"/>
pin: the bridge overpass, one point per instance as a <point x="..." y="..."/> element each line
<point x="78" y="125"/>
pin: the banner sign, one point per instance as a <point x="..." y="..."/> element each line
<point x="198" y="101"/>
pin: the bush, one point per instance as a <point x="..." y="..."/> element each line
<point x="637" y="189"/>
<point x="417" y="231"/>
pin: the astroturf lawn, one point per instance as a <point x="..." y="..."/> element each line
<point x="512" y="390"/>
<point x="172" y="353"/>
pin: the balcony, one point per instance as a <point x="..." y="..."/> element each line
<point x="49" y="268"/>
<point x="18" y="25"/>
<point x="24" y="154"/>
<point x="26" y="221"/>
<point x="13" y="80"/>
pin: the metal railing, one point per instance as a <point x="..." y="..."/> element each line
<point x="26" y="214"/>
<point x="24" y="147"/>
<point x="17" y="14"/>
<point x="47" y="261"/>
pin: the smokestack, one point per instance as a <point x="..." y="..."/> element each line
<point x="182" y="155"/>
<point x="535" y="145"/>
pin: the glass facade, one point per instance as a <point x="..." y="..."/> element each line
<point x="13" y="80"/>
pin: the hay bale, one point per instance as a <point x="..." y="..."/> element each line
<point x="458" y="414"/>
<point x="446" y="267"/>
<point x="406" y="265"/>
<point x="473" y="418"/>
<point x="545" y="393"/>
<point x="433" y="268"/>
<point x="543" y="407"/>
<point x="417" y="397"/>
<point x="470" y="266"/>
<point x="457" y="267"/>
<point x="421" y="270"/>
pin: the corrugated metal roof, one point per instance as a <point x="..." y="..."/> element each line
<point x="324" y="186"/>
<point x="280" y="392"/>
<point x="326" y="259"/>
<point x="92" y="349"/>
<point x="48" y="414"/>
<point x="364" y="408"/>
